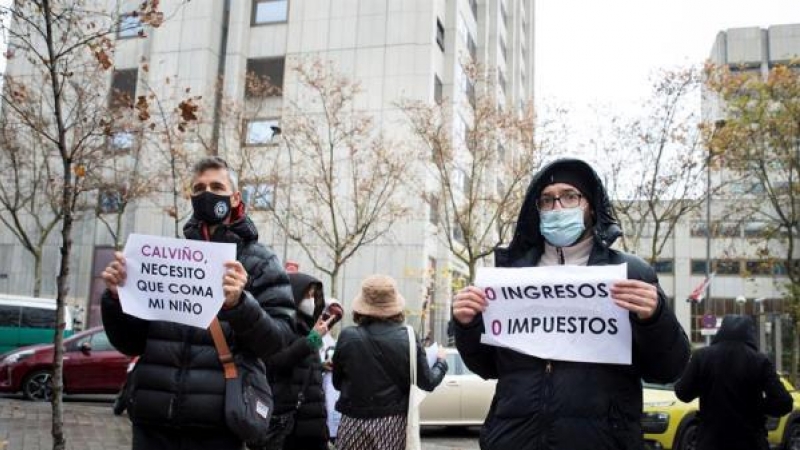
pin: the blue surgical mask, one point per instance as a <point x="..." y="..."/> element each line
<point x="562" y="227"/>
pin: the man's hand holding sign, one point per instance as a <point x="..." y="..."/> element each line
<point x="177" y="277"/>
<point x="558" y="312"/>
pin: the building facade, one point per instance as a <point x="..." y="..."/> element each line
<point x="397" y="49"/>
<point x="747" y="255"/>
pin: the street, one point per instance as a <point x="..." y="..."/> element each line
<point x="90" y="425"/>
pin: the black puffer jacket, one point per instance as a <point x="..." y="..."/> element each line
<point x="737" y="386"/>
<point x="542" y="405"/>
<point x="178" y="381"/>
<point x="371" y="369"/>
<point x="299" y="365"/>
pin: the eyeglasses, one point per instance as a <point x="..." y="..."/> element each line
<point x="568" y="199"/>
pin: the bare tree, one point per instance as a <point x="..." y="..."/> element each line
<point x="58" y="97"/>
<point x="341" y="183"/>
<point x="29" y="205"/>
<point x="760" y="143"/>
<point x="168" y="123"/>
<point x="657" y="162"/>
<point x="480" y="163"/>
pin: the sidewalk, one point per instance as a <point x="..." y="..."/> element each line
<point x="90" y="425"/>
<point x="87" y="426"/>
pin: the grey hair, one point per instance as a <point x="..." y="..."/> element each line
<point x="215" y="162"/>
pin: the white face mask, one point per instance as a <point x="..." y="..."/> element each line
<point x="306" y="306"/>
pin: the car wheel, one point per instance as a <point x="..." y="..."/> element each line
<point x="38" y="386"/>
<point x="793" y="437"/>
<point x="688" y="439"/>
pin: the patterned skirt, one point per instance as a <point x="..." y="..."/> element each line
<point x="381" y="433"/>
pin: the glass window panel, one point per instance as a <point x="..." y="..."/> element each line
<point x="38" y="318"/>
<point x="271" y="11"/>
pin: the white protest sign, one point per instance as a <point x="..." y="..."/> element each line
<point x="557" y="312"/>
<point x="175" y="280"/>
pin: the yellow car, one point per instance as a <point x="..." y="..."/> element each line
<point x="668" y="423"/>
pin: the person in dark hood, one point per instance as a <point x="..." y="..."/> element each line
<point x="300" y="417"/>
<point x="177" y="397"/>
<point x="737" y="387"/>
<point x="566" y="218"/>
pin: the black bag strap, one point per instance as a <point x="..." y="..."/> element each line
<point x="378" y="356"/>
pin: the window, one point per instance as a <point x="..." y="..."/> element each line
<point x="504" y="14"/>
<point x="267" y="77"/>
<point x="501" y="188"/>
<point x="259" y="196"/>
<point x="501" y="152"/>
<point x="260" y="131"/>
<point x="503" y="50"/>
<point x="433" y="213"/>
<point x="473" y="5"/>
<point x="109" y="200"/>
<point x="758" y="267"/>
<point x="461" y="78"/>
<point x="727" y="230"/>
<point x="9" y="316"/>
<point x="698" y="267"/>
<point x="100" y="343"/>
<point x="727" y="267"/>
<point x="458" y="233"/>
<point x="437" y="89"/>
<point x="461" y="180"/>
<point x="123" y="88"/>
<point x="440" y="34"/>
<point x="471" y="93"/>
<point x="699" y="229"/>
<point x="130" y="26"/>
<point x="121" y="141"/>
<point x="756" y="229"/>
<point x="269" y="11"/>
<point x="665" y="266"/>
<point x="38" y="318"/>
<point x="473" y="49"/>
<point x="501" y="80"/>
<point x="460" y="132"/>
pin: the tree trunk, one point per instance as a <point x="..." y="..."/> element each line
<point x="795" y="359"/>
<point x="472" y="269"/>
<point x="334" y="287"/>
<point x="37" y="273"/>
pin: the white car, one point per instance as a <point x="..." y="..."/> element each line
<point x="463" y="398"/>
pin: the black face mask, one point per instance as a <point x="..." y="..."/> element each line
<point x="211" y="208"/>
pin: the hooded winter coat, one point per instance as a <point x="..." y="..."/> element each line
<point x="559" y="405"/>
<point x="737" y="387"/>
<point x="179" y="381"/>
<point x="298" y="366"/>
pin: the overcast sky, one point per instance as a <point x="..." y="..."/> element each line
<point x="603" y="51"/>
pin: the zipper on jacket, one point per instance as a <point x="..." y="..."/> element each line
<point x="546" y="394"/>
<point x="185" y="358"/>
<point x="561" y="259"/>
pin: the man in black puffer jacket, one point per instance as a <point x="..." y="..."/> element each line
<point x="540" y="404"/>
<point x="737" y="386"/>
<point x="178" y="387"/>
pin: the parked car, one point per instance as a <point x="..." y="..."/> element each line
<point x="671" y="424"/>
<point x="463" y="398"/>
<point x="28" y="321"/>
<point x="91" y="366"/>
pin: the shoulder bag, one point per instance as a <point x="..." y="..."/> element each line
<point x="248" y="397"/>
